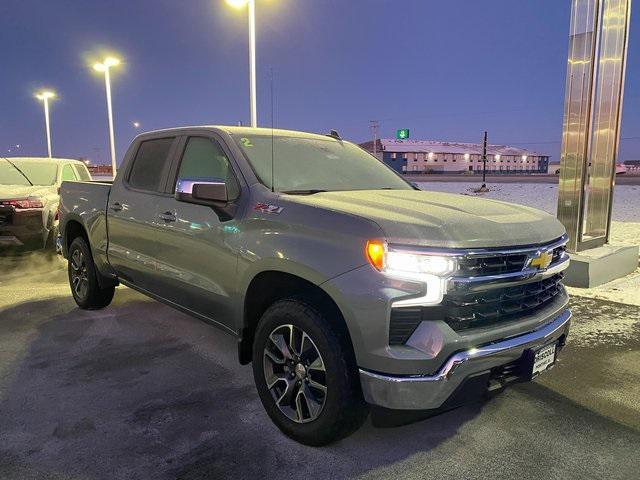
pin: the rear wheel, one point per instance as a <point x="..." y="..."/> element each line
<point x="83" y="278"/>
<point x="306" y="375"/>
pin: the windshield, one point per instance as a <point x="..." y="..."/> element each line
<point x="308" y="164"/>
<point x="38" y="173"/>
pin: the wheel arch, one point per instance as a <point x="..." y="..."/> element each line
<point x="269" y="286"/>
<point x="74" y="228"/>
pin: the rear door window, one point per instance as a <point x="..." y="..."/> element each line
<point x="149" y="165"/>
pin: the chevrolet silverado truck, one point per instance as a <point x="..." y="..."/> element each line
<point x="29" y="198"/>
<point x="344" y="284"/>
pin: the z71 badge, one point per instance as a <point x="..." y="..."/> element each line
<point x="266" y="208"/>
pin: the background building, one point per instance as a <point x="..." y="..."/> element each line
<point x="425" y="156"/>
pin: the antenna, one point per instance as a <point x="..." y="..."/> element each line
<point x="273" y="178"/>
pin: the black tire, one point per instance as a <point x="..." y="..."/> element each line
<point x="82" y="270"/>
<point x="343" y="408"/>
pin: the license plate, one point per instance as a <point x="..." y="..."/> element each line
<point x="543" y="359"/>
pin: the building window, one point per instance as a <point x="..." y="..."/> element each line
<point x="393" y="156"/>
<point x="404" y="156"/>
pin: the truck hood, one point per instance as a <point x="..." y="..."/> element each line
<point x="8" y="192"/>
<point x="438" y="219"/>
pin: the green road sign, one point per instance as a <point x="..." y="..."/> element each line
<point x="402" y="134"/>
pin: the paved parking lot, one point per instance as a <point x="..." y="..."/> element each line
<point x="139" y="391"/>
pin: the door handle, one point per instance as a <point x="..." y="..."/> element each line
<point x="167" y="216"/>
<point x="116" y="207"/>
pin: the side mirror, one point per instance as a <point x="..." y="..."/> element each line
<point x="203" y="191"/>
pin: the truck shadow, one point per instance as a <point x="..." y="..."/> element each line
<point x="140" y="391"/>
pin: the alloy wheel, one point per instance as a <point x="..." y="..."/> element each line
<point x="295" y="373"/>
<point x="79" y="277"/>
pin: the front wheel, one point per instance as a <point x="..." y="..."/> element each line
<point x="83" y="278"/>
<point x="306" y="375"/>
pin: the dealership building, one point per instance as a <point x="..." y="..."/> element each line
<point x="426" y="156"/>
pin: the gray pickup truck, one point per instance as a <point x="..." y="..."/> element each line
<point x="344" y="285"/>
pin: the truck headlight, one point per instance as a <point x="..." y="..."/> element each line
<point x="399" y="262"/>
<point x="431" y="270"/>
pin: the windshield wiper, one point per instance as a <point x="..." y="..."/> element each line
<point x="21" y="172"/>
<point x="304" y="192"/>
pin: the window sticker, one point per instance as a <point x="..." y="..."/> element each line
<point x="246" y="142"/>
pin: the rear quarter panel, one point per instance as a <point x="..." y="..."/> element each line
<point x="86" y="203"/>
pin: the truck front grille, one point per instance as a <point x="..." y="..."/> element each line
<point x="491" y="265"/>
<point x="490" y="286"/>
<point x="476" y="310"/>
<point x="479" y="309"/>
<point x="497" y="264"/>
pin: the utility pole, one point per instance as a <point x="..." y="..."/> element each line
<point x="484" y="162"/>
<point x="374" y="124"/>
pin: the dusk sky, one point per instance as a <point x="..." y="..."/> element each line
<point x="447" y="70"/>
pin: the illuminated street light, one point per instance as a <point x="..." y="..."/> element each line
<point x="467" y="157"/>
<point x="524" y="158"/>
<point x="136" y="124"/>
<point x="251" y="4"/>
<point x="45" y="96"/>
<point x="497" y="157"/>
<point x="104" y="67"/>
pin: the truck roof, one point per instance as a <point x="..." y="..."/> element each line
<point x="235" y="130"/>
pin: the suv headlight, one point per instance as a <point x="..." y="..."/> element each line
<point x="432" y="270"/>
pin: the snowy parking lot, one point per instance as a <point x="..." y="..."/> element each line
<point x="626" y="202"/>
<point x="141" y="391"/>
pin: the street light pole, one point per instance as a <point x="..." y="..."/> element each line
<point x="251" y="8"/>
<point x="252" y="63"/>
<point x="104" y="67"/>
<point x="45" y="95"/>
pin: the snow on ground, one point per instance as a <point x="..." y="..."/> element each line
<point x="625" y="228"/>
<point x="623" y="290"/>
<point x="626" y="201"/>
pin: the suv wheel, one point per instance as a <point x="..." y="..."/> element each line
<point x="83" y="278"/>
<point x="306" y="374"/>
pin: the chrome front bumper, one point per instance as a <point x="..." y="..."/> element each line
<point x="423" y="392"/>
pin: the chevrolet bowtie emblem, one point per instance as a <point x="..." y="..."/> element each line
<point x="542" y="261"/>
